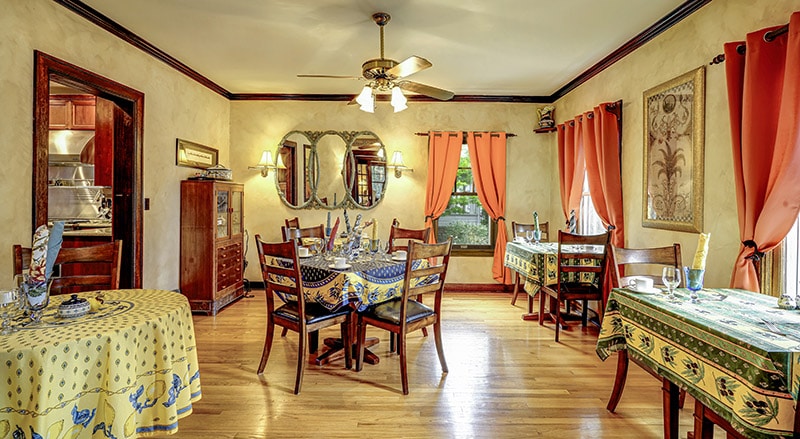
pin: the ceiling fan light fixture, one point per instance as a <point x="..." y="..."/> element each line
<point x="366" y="99"/>
<point x="398" y="99"/>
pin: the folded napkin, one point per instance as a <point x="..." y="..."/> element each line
<point x="44" y="251"/>
<point x="699" y="262"/>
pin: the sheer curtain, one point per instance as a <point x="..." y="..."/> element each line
<point x="487" y="153"/>
<point x="444" y="151"/>
<point x="764" y="104"/>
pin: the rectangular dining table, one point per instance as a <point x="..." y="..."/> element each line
<point x="537" y="263"/>
<point x="366" y="282"/>
<point x="721" y="351"/>
<point x="125" y="370"/>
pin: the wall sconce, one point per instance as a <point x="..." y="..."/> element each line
<point x="398" y="165"/>
<point x="265" y="164"/>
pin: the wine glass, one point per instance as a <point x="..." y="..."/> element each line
<point x="529" y="235"/>
<point x="671" y="276"/>
<point x="9" y="307"/>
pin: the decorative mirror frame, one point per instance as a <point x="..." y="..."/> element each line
<point x="315" y="202"/>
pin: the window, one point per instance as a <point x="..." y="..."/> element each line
<point x="780" y="268"/>
<point x="465" y="219"/>
<point x="589" y="222"/>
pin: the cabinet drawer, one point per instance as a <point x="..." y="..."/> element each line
<point x="229" y="251"/>
<point x="226" y="278"/>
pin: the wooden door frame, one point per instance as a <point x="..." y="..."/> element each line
<point x="131" y="101"/>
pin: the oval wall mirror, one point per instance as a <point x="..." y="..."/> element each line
<point x="331" y="169"/>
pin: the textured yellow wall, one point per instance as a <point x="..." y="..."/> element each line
<point x="259" y="125"/>
<point x="175" y="106"/>
<point x="686" y="46"/>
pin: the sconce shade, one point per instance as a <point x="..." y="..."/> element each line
<point x="265" y="164"/>
<point x="280" y="164"/>
<point x="398" y="165"/>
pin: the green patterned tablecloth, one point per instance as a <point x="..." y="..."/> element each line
<point x="719" y="350"/>
<point x="130" y="369"/>
<point x="538" y="262"/>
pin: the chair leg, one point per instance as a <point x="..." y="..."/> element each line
<point x="267" y="346"/>
<point x="362" y="338"/>
<point x="401" y="347"/>
<point x="542" y="298"/>
<point x="424" y="330"/>
<point x="348" y="344"/>
<point x="284" y="332"/>
<point x="585" y="313"/>
<point x="313" y="341"/>
<point x="516" y="289"/>
<point x="558" y="318"/>
<point x="302" y="358"/>
<point x="392" y="342"/>
<point x="437" y="335"/>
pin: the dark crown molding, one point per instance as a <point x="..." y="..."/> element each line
<point x="678" y="14"/>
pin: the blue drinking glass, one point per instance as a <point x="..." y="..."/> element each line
<point x="694" y="282"/>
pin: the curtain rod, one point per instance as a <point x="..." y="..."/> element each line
<point x="741" y="49"/>
<point x="507" y="134"/>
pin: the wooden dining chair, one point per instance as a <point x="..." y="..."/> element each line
<point x="402" y="315"/>
<point x="580" y="275"/>
<point x="398" y="240"/>
<point x="519" y="230"/>
<point x="279" y="263"/>
<point x="292" y="223"/>
<point x="643" y="259"/>
<point x="94" y="267"/>
<point x="305" y="232"/>
<point x="22" y="259"/>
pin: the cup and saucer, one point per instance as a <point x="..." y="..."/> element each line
<point x="302" y="252"/>
<point x="639" y="284"/>
<point x="340" y="264"/>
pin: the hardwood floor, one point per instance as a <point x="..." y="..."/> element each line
<point x="508" y="378"/>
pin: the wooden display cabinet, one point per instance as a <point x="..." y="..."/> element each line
<point x="212" y="246"/>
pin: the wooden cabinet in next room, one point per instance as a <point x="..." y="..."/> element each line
<point x="212" y="247"/>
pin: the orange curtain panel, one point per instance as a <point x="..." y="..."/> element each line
<point x="571" y="166"/>
<point x="444" y="151"/>
<point x="764" y="105"/>
<point x="487" y="153"/>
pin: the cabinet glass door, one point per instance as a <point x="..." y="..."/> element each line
<point x="222" y="214"/>
<point x="236" y="212"/>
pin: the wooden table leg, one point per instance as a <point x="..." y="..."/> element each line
<point x="335" y="351"/>
<point x="619" y="380"/>
<point x="530" y="316"/>
<point x="670" y="402"/>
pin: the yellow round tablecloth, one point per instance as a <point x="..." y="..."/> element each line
<point x="130" y="369"/>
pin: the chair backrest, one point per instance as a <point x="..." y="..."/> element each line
<point x="399" y="237"/>
<point x="307" y="232"/>
<point x="281" y="272"/>
<point x="645" y="257"/>
<point x="519" y="229"/>
<point x="292" y="223"/>
<point x="427" y="277"/>
<point x="22" y="259"/>
<point x="582" y="264"/>
<point x="95" y="267"/>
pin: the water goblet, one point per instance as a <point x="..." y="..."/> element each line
<point x="529" y="235"/>
<point x="694" y="282"/>
<point x="9" y="307"/>
<point x="671" y="276"/>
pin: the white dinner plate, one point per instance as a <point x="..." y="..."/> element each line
<point x="306" y="256"/>
<point x="345" y="267"/>
<point x="653" y="290"/>
<point x="399" y="259"/>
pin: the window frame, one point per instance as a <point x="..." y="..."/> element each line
<point x="466" y="249"/>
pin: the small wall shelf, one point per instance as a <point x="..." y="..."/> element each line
<point x="545" y="130"/>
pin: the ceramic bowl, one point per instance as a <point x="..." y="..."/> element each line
<point x="74" y="307"/>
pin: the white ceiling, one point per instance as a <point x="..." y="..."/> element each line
<point x="477" y="47"/>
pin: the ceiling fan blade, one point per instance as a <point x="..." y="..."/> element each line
<point x="427" y="90"/>
<point x="411" y="65"/>
<point x="329" y="76"/>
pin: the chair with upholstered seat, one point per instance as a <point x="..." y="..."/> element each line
<point x="642" y="259"/>
<point x="281" y="273"/>
<point x="94" y="267"/>
<point x="398" y="240"/>
<point x="580" y="275"/>
<point x="403" y="314"/>
<point x="22" y="259"/>
<point x="519" y="230"/>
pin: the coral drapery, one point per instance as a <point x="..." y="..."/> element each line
<point x="764" y="103"/>
<point x="571" y="167"/>
<point x="444" y="152"/>
<point x="487" y="154"/>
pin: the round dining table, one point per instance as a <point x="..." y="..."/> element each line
<point x="127" y="369"/>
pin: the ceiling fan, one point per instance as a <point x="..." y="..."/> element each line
<point x="386" y="75"/>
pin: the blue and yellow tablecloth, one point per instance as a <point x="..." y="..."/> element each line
<point x="720" y="350"/>
<point x="128" y="370"/>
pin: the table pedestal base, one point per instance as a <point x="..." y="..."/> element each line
<point x="335" y="351"/>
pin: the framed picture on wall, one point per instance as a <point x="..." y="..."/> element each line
<point x="195" y="155"/>
<point x="674" y="132"/>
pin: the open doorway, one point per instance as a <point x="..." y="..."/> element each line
<point x="123" y="109"/>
